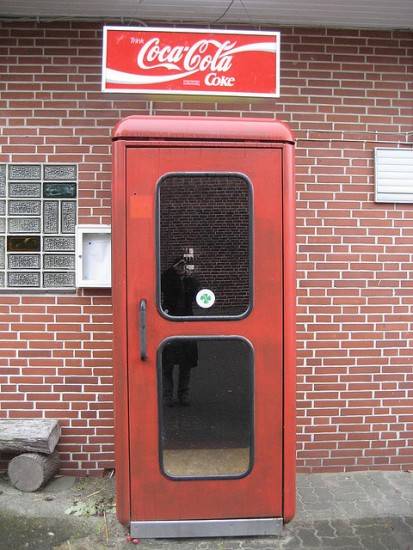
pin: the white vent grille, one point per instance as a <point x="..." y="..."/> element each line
<point x="394" y="175"/>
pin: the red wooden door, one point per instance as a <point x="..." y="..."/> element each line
<point x="220" y="456"/>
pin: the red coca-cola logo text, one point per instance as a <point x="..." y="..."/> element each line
<point x="186" y="58"/>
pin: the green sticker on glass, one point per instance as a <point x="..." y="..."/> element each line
<point x="205" y="298"/>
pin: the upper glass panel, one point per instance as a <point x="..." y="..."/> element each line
<point x="204" y="245"/>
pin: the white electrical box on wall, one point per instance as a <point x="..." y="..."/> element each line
<point x="93" y="256"/>
<point x="393" y="175"/>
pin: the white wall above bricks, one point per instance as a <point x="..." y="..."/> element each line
<point x="344" y="93"/>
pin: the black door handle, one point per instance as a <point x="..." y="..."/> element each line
<point x="142" y="330"/>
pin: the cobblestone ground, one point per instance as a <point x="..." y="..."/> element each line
<point x="364" y="511"/>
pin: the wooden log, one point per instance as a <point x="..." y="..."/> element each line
<point x="29" y="434"/>
<point x="30" y="471"/>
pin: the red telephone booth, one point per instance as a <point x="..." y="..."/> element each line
<point x="204" y="298"/>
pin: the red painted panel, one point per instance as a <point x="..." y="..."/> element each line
<point x="289" y="335"/>
<point x="260" y="493"/>
<point x="120" y="360"/>
<point x="206" y="129"/>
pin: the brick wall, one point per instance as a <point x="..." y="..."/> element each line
<point x="343" y="92"/>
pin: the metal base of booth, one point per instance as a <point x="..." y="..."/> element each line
<point x="206" y="528"/>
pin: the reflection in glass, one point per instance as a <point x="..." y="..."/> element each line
<point x="204" y="237"/>
<point x="24" y="243"/>
<point x="179" y="286"/>
<point x="59" y="190"/>
<point x="205" y="393"/>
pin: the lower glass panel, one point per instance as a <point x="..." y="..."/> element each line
<point x="206" y="407"/>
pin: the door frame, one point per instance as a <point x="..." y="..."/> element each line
<point x="126" y="136"/>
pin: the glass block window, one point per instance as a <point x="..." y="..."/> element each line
<point x="38" y="206"/>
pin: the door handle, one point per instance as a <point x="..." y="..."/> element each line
<point x="142" y="330"/>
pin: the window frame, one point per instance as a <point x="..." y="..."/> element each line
<point x="40" y="178"/>
<point x="159" y="388"/>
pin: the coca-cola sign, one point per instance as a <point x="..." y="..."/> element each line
<point x="187" y="61"/>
